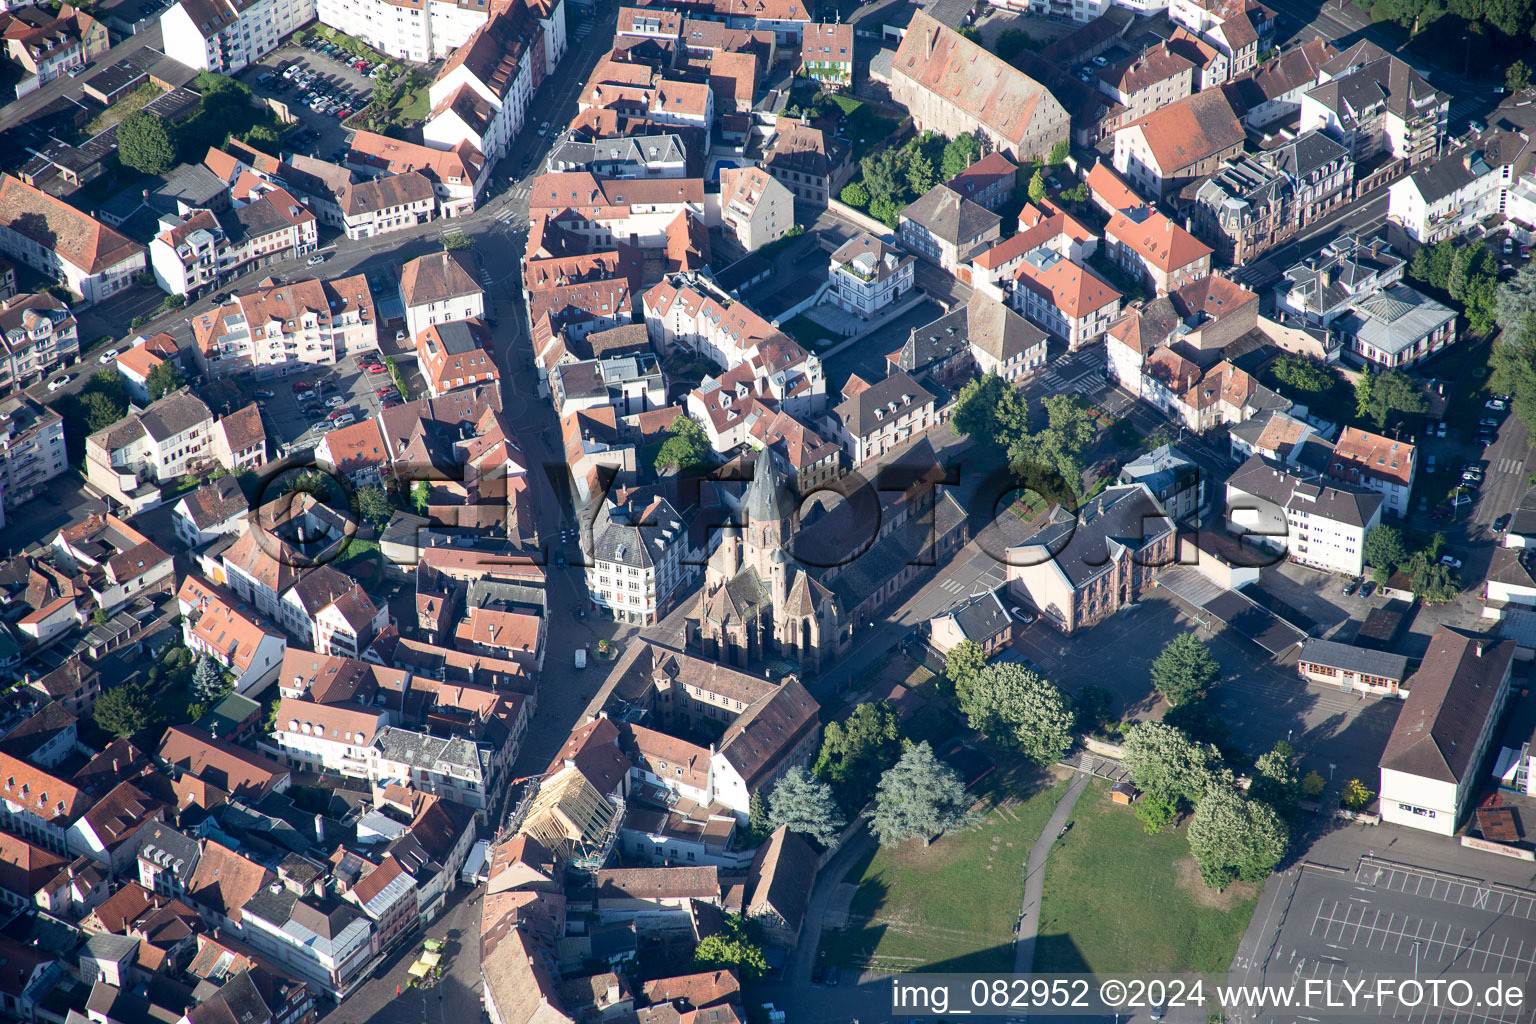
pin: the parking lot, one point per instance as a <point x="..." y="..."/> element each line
<point x="315" y="79"/>
<point x="1386" y="918"/>
<point x="300" y="420"/>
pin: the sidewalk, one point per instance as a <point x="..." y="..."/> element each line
<point x="1034" y="873"/>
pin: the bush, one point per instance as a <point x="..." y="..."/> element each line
<point x="855" y="194"/>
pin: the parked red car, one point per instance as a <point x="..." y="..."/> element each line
<point x="300" y="386"/>
<point x="374" y="368"/>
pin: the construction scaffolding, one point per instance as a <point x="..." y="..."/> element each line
<point x="572" y="819"/>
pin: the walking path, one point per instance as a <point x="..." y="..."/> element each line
<point x="1034" y="873"/>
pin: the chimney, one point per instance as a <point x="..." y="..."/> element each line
<point x="1478" y="647"/>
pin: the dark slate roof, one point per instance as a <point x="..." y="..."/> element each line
<point x="858" y="414"/>
<point x="982" y="617"/>
<point x="1523" y="521"/>
<point x="1451" y="696"/>
<point x="1306" y="153"/>
<point x="950" y="216"/>
<point x="1125" y="515"/>
<point x="629" y="534"/>
<point x="1355" y="659"/>
<point x="173" y="414"/>
<point x="768" y="497"/>
<point x="1288" y="489"/>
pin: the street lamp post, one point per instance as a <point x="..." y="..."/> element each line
<point x="1466" y="64"/>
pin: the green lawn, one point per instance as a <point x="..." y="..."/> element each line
<point x="1117" y="899"/>
<point x="951" y="906"/>
<point x="808" y="332"/>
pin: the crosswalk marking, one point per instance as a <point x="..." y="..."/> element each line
<point x="1086" y="384"/>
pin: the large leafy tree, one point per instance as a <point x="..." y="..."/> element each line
<point x="919" y="798"/>
<point x="1163" y="760"/>
<point x="1232" y="836"/>
<point x="959" y="153"/>
<point x="684" y="447"/>
<point x="1275" y="781"/>
<point x="962" y="665"/>
<point x="856" y="751"/>
<point x="144" y="144"/>
<point x="1385" y="550"/>
<point x="1517" y="299"/>
<point x="1013" y="706"/>
<point x="374" y="505"/>
<point x="1513" y="362"/>
<point x="162" y="380"/>
<point x="1301" y="374"/>
<point x="1036" y="186"/>
<point x="100" y="412"/>
<point x="990" y="410"/>
<point x="1379" y="395"/>
<point x="733" y="947"/>
<point x="1184" y="670"/>
<point x="805" y="805"/>
<point x="124" y="710"/>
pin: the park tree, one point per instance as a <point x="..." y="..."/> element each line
<point x="1232" y="836"/>
<point x="1164" y="761"/>
<point x="990" y="410"/>
<point x="1379" y="395"/>
<point x="144" y="143"/>
<point x="804" y="805"/>
<point x="1312" y="785"/>
<point x="856" y="751"/>
<point x="1093" y="707"/>
<point x="124" y="710"/>
<point x="1355" y="795"/>
<point x="1036" y="186"/>
<point x="962" y="664"/>
<point x="919" y="798"/>
<point x="1274" y="780"/>
<point x="959" y="153"/>
<point x="1517" y="77"/>
<point x="1015" y="707"/>
<point x="684" y="447"/>
<point x="1384" y="551"/>
<point x="374" y="505"/>
<point x="162" y="380"/>
<point x="855" y="195"/>
<point x="1184" y="670"/>
<point x="733" y="947"/>
<point x="1055" y="453"/>
<point x="1301" y="374"/>
<point x="1156" y="812"/>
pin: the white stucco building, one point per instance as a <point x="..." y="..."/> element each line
<point x="1430" y="768"/>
